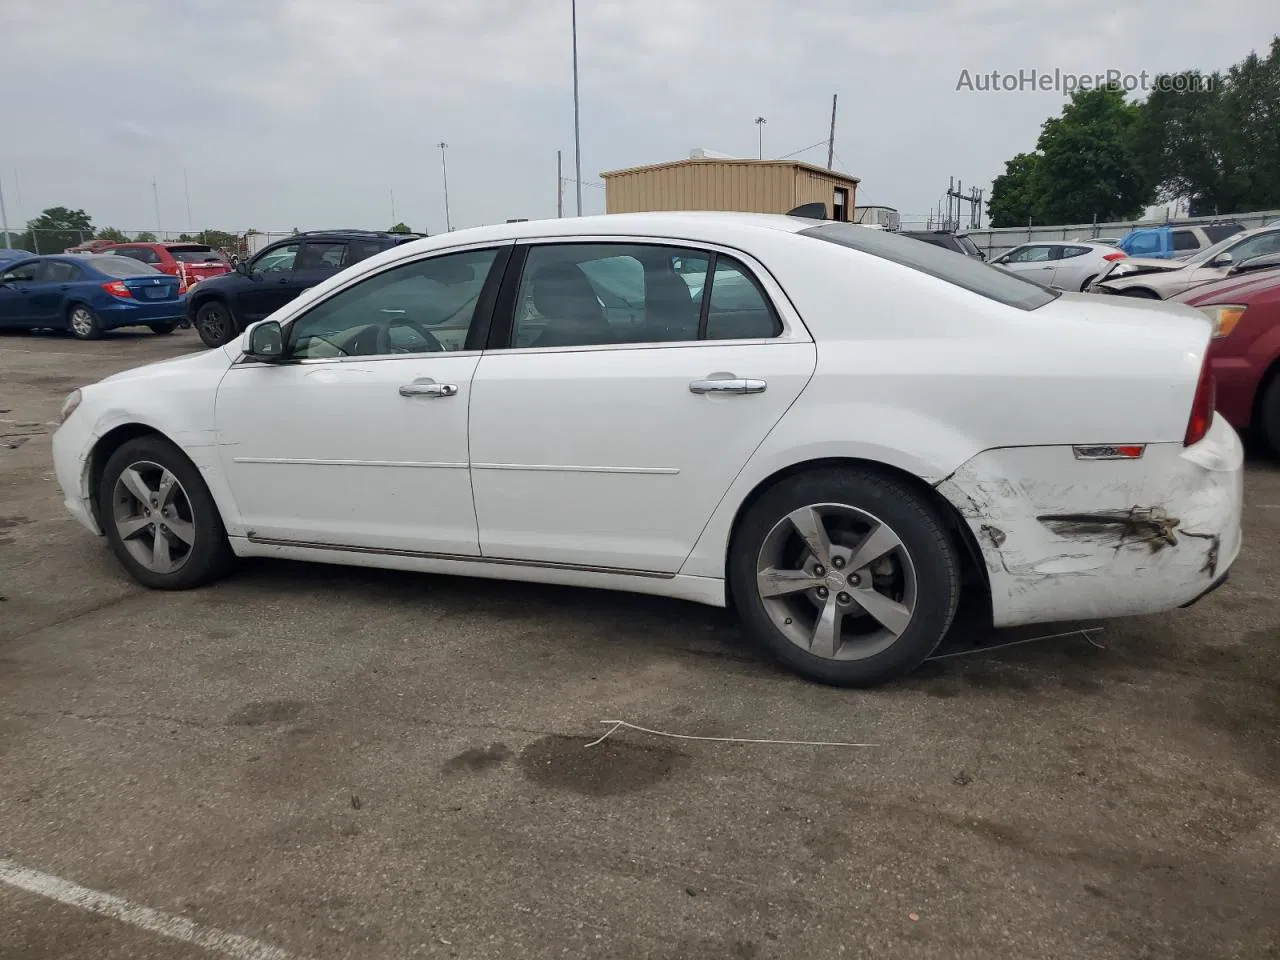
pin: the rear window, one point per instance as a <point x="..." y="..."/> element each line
<point x="968" y="272"/>
<point x="1185" y="240"/>
<point x="114" y="266"/>
<point x="194" y="254"/>
<point x="1220" y="231"/>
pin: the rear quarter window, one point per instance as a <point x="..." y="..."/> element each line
<point x="967" y="272"/>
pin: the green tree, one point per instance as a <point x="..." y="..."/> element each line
<point x="1215" y="140"/>
<point x="146" y="236"/>
<point x="56" y="229"/>
<point x="112" y="234"/>
<point x="1015" y="194"/>
<point x="401" y="227"/>
<point x="220" y="240"/>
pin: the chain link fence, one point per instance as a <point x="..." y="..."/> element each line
<point x="228" y="242"/>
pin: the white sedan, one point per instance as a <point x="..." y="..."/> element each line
<point x="836" y="430"/>
<point x="1067" y="265"/>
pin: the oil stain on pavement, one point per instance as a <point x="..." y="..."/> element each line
<point x="605" y="770"/>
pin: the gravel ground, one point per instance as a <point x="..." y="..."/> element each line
<point x="349" y="763"/>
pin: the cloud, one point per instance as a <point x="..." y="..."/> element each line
<point x="310" y="112"/>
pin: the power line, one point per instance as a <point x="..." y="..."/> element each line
<point x="820" y="143"/>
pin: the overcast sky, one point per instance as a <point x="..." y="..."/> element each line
<point x="309" y="113"/>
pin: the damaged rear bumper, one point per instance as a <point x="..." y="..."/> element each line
<point x="1064" y="538"/>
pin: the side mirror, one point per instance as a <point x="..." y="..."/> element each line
<point x="242" y="268"/>
<point x="266" y="342"/>
<point x="1223" y="260"/>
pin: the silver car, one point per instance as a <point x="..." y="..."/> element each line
<point x="1162" y="279"/>
<point x="1065" y="264"/>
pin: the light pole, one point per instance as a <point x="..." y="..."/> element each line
<point x="760" y="122"/>
<point x="444" y="169"/>
<point x="577" y="138"/>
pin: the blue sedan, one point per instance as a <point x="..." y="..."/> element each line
<point x="87" y="294"/>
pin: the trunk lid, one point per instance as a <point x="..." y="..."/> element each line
<point x="159" y="288"/>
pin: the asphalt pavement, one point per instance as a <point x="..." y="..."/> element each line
<point x="336" y="763"/>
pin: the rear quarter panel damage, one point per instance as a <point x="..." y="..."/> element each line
<point x="1064" y="538"/>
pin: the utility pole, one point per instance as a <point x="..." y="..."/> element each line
<point x="760" y="122"/>
<point x="4" y="218"/>
<point x="155" y="195"/>
<point x="577" y="135"/>
<point x="186" y="189"/>
<point x="559" y="185"/>
<point x="392" y="191"/>
<point x="955" y="192"/>
<point x="831" y="138"/>
<point x="444" y="169"/>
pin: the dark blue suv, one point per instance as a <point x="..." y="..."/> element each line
<point x="221" y="307"/>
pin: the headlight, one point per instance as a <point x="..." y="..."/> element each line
<point x="1225" y="316"/>
<point x="69" y="406"/>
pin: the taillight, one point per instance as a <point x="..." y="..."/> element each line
<point x="1201" y="407"/>
<point x="117" y="288"/>
<point x="1118" y="255"/>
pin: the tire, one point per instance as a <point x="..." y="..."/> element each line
<point x="215" y="323"/>
<point x="162" y="328"/>
<point x="1084" y="287"/>
<point x="191" y="537"/>
<point x="919" y="575"/>
<point x="1268" y="419"/>
<point x="83" y="322"/>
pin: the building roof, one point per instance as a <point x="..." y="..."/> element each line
<point x="690" y="161"/>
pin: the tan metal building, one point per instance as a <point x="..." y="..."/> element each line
<point x="754" y="186"/>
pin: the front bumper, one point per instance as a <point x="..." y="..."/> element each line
<point x="72" y="444"/>
<point x="1066" y="539"/>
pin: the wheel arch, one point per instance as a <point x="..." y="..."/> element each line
<point x="1265" y="382"/>
<point x="104" y="447"/>
<point x="973" y="567"/>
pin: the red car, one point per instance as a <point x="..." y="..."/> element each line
<point x="189" y="262"/>
<point x="1245" y="351"/>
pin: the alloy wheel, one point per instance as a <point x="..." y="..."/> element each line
<point x="836" y="581"/>
<point x="152" y="514"/>
<point x="82" y="322"/>
<point x="213" y="323"/>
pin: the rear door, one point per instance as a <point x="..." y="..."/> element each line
<point x="54" y="281"/>
<point x="621" y="394"/>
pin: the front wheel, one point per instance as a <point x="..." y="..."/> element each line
<point x="215" y="324"/>
<point x="84" y="323"/>
<point x="849" y="577"/>
<point x="160" y="518"/>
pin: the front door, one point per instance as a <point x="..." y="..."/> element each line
<point x="271" y="283"/>
<point x="1038" y="261"/>
<point x="16" y="306"/>
<point x="624" y="396"/>
<point x="360" y="440"/>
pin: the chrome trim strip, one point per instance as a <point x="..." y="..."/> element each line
<point x="372" y="358"/>
<point x="565" y="468"/>
<point x="302" y="461"/>
<point x="1107" y="451"/>
<point x="462" y="558"/>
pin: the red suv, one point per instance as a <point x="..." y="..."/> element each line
<point x="189" y="262"/>
<point x="1245" y="352"/>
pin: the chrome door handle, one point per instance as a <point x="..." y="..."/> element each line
<point x="426" y="387"/>
<point x="734" y="385"/>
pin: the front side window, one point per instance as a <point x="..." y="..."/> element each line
<point x="277" y="260"/>
<point x="22" y="274"/>
<point x="1033" y="254"/>
<point x="426" y="306"/>
<point x="1256" y="246"/>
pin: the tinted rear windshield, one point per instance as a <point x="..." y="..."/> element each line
<point x="194" y="254"/>
<point x="1220" y="231"/>
<point x="116" y="266"/>
<point x="967" y="272"/>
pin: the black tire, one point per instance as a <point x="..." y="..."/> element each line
<point x="919" y="526"/>
<point x="209" y="556"/>
<point x="1142" y="293"/>
<point x="1268" y="419"/>
<point x="215" y="323"/>
<point x="83" y="323"/>
<point x="162" y="328"/>
<point x="1084" y="287"/>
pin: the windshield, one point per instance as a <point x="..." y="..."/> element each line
<point x="968" y="272"/>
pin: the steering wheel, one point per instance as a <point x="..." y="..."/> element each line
<point x="384" y="336"/>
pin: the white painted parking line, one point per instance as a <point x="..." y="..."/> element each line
<point x="144" y="918"/>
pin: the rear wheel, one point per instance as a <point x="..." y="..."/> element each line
<point x="160" y="518"/>
<point x="847" y="576"/>
<point x="83" y="323"/>
<point x="1269" y="416"/>
<point x="215" y="323"/>
<point x="162" y="328"/>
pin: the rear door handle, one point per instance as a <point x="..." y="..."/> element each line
<point x="730" y="385"/>
<point x="426" y="387"/>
